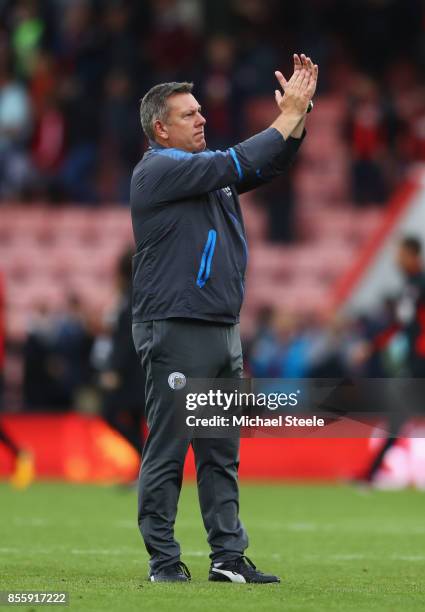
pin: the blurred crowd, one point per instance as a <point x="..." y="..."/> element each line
<point x="56" y="354"/>
<point x="72" y="73"/>
<point x="72" y="360"/>
<point x="324" y="345"/>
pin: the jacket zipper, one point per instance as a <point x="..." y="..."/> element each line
<point x="206" y="261"/>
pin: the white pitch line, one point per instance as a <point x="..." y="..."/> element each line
<point x="124" y="524"/>
<point x="104" y="551"/>
<point x="363" y="557"/>
<point x="338" y="528"/>
<point x="19" y="551"/>
<point x="378" y="529"/>
<point x="131" y="552"/>
<point x="31" y="522"/>
<point x="348" y="557"/>
<point x="408" y="557"/>
<point x="301" y="527"/>
<point x="8" y="551"/>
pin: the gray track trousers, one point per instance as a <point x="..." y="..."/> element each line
<point x="197" y="349"/>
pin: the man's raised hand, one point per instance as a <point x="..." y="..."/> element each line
<point x="300" y="88"/>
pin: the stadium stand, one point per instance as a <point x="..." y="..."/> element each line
<point x="76" y="137"/>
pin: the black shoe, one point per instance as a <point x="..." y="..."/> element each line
<point x="177" y="572"/>
<point x="241" y="570"/>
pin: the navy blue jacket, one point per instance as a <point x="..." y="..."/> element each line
<point x="191" y="250"/>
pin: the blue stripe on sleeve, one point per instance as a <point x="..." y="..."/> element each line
<point x="237" y="164"/>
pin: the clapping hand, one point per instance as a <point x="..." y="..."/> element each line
<point x="299" y="90"/>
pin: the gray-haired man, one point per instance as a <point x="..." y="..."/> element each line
<point x="188" y="284"/>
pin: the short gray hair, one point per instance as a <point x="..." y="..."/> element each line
<point x="153" y="106"/>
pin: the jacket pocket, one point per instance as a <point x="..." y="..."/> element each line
<point x="207" y="257"/>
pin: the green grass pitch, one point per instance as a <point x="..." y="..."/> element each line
<point x="335" y="548"/>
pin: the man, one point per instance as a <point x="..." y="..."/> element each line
<point x="188" y="282"/>
<point x="409" y="307"/>
<point x="409" y="318"/>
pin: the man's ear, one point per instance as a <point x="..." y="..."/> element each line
<point x="161" y="129"/>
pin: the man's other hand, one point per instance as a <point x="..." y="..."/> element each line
<point x="301" y="87"/>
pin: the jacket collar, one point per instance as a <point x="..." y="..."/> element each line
<point x="155" y="145"/>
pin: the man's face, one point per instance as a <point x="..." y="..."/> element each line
<point x="184" y="126"/>
<point x="408" y="261"/>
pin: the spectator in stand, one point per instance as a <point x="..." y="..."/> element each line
<point x="39" y="381"/>
<point x="27" y="35"/>
<point x="174" y="43"/>
<point x="279" y="199"/>
<point x="329" y="340"/>
<point x="121" y="35"/>
<point x="416" y="132"/>
<point x="48" y="146"/>
<point x="81" y="47"/>
<point x="44" y="80"/>
<point x="218" y="92"/>
<point x="281" y="351"/>
<point x="262" y="347"/>
<point x="48" y="142"/>
<point x="368" y="139"/>
<point x="80" y="58"/>
<point x="56" y="356"/>
<point x="255" y="63"/>
<point x="15" y="130"/>
<point x="263" y="330"/>
<point x="78" y="172"/>
<point x="121" y="145"/>
<point x="405" y="86"/>
<point x="73" y="343"/>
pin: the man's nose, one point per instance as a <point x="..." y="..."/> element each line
<point x="201" y="119"/>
